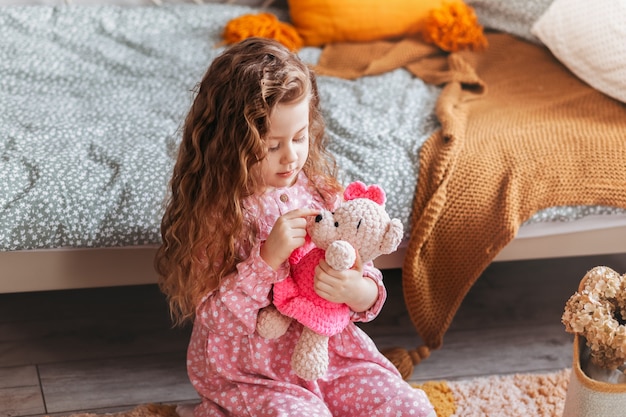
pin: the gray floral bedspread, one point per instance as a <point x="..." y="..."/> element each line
<point x="92" y="99"/>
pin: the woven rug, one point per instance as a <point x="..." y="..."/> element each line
<point x="518" y="395"/>
<point x="537" y="395"/>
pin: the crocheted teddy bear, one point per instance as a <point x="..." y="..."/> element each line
<point x="360" y="224"/>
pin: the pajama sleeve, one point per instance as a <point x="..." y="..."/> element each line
<point x="234" y="306"/>
<point x="373" y="273"/>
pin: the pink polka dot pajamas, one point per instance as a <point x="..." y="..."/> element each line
<point x="236" y="372"/>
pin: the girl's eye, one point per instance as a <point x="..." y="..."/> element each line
<point x="300" y="139"/>
<point x="273" y="148"/>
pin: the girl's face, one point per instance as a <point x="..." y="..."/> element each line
<point x="287" y="144"/>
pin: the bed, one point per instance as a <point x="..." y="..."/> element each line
<point x="92" y="100"/>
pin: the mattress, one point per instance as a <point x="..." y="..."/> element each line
<point x="93" y="99"/>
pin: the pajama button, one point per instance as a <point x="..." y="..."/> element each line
<point x="284" y="198"/>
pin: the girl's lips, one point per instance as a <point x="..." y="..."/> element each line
<point x="286" y="174"/>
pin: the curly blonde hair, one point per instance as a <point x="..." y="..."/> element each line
<point x="218" y="161"/>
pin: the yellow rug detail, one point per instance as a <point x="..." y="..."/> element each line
<point x="441" y="397"/>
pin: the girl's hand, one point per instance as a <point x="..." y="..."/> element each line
<point x="349" y="286"/>
<point x="288" y="234"/>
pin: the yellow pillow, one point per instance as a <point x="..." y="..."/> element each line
<point x="323" y="21"/>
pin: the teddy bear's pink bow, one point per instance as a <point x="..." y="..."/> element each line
<point x="359" y="190"/>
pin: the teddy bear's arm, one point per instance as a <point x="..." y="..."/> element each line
<point x="340" y="255"/>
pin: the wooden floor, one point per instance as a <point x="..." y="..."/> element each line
<point x="106" y="350"/>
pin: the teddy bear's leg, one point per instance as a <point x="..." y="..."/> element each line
<point x="271" y="324"/>
<point x="310" y="357"/>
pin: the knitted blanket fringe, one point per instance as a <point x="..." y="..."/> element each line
<point x="519" y="133"/>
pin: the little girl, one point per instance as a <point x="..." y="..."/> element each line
<point x="252" y="166"/>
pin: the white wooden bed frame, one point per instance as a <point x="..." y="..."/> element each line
<point x="57" y="269"/>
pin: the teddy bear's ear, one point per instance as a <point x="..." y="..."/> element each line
<point x="392" y="237"/>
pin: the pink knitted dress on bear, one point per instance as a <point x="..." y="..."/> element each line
<point x="295" y="296"/>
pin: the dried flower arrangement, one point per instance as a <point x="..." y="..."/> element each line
<point x="597" y="312"/>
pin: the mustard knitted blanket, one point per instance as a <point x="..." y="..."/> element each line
<point x="519" y="133"/>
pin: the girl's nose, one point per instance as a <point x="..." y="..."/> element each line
<point x="290" y="154"/>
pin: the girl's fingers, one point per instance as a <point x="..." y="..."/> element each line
<point x="358" y="263"/>
<point x="302" y="213"/>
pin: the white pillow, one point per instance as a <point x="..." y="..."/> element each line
<point x="588" y="37"/>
